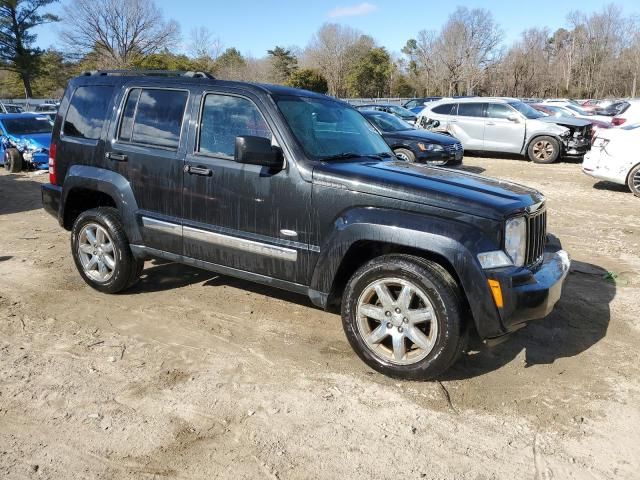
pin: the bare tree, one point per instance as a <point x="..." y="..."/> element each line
<point x="204" y="44"/>
<point x="331" y="50"/>
<point x="118" y="31"/>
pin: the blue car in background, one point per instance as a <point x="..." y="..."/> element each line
<point x="24" y="141"/>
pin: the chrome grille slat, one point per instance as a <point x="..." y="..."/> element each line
<point x="536" y="236"/>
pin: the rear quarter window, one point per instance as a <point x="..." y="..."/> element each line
<point x="445" y="109"/>
<point x="87" y="111"/>
<point x="471" y="109"/>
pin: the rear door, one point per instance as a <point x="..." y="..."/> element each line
<point x="468" y="126"/>
<point x="502" y="133"/>
<point x="146" y="150"/>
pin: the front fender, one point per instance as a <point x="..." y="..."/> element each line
<point x="449" y="238"/>
<point x="107" y="182"/>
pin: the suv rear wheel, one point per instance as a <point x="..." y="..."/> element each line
<point x="544" y="150"/>
<point x="402" y="316"/>
<point x="101" y="251"/>
<point x="634" y="180"/>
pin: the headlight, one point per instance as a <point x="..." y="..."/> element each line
<point x="430" y="147"/>
<point x="515" y="240"/>
<point x="494" y="259"/>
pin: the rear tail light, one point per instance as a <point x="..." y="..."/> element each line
<point x="53" y="173"/>
<point x="618" y="121"/>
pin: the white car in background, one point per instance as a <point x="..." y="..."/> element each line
<point x="614" y="157"/>
<point x="629" y="115"/>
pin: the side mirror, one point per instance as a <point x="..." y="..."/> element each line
<point x="513" y="118"/>
<point x="257" y="151"/>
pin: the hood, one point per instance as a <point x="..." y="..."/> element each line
<point x="439" y="187"/>
<point x="421" y="135"/>
<point x="565" y="121"/>
<point x="29" y="142"/>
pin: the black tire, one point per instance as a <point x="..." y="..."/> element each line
<point x="446" y="300"/>
<point x="633" y="180"/>
<point x="127" y="268"/>
<point x="404" y="154"/>
<point x="544" y="150"/>
<point x="13" y="160"/>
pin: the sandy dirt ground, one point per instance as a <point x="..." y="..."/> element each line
<point x="195" y="375"/>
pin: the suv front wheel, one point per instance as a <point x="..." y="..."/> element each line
<point x="101" y="251"/>
<point x="403" y="317"/>
<point x="544" y="150"/>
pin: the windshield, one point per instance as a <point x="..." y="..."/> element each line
<point x="529" y="112"/>
<point x="387" y="122"/>
<point x="27" y="125"/>
<point x="326" y="128"/>
<point x="579" y="110"/>
<point x="403" y="112"/>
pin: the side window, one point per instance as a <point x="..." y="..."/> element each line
<point x="499" y="110"/>
<point x="87" y="111"/>
<point x="153" y="117"/>
<point x="445" y="109"/>
<point x="471" y="109"/>
<point x="225" y="117"/>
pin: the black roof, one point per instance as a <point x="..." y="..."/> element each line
<point x="173" y="77"/>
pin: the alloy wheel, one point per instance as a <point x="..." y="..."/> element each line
<point x="542" y="150"/>
<point x="397" y="321"/>
<point x="96" y="252"/>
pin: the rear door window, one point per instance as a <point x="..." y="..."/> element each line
<point x="471" y="109"/>
<point x="87" y="111"/>
<point x="153" y="117"/>
<point x="225" y="117"/>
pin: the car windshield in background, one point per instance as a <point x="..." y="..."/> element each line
<point x="403" y="112"/>
<point x="27" y="125"/>
<point x="579" y="110"/>
<point x="328" y="129"/>
<point x="387" y="122"/>
<point x="13" y="109"/>
<point x="631" y="127"/>
<point x="529" y="112"/>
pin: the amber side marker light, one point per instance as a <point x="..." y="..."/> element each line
<point x="496" y="291"/>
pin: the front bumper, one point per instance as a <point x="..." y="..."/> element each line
<point x="440" y="158"/>
<point x="576" y="147"/>
<point x="51" y="195"/>
<point x="530" y="295"/>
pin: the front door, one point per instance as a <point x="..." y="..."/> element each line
<point x="504" y="129"/>
<point x="246" y="217"/>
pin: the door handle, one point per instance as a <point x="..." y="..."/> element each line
<point x="191" y="170"/>
<point x="453" y="121"/>
<point x="117" y="157"/>
<point x="490" y="123"/>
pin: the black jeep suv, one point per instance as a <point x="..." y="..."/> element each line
<point x="296" y="190"/>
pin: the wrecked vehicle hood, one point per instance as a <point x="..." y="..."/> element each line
<point x="566" y="121"/>
<point x="438" y="187"/>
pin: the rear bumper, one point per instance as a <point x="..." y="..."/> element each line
<point x="531" y="295"/>
<point x="51" y="195"/>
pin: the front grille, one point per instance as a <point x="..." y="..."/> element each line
<point x="536" y="236"/>
<point x="453" y="148"/>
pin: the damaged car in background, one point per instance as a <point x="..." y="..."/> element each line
<point x="24" y="141"/>
<point x="507" y="125"/>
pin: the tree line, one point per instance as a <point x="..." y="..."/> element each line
<point x="593" y="55"/>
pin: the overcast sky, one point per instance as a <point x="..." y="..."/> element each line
<point x="256" y="26"/>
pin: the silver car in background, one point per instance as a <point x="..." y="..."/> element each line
<point x="507" y="125"/>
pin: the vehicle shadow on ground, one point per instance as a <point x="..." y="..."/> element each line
<point x="614" y="187"/>
<point x="470" y="169"/>
<point x="514" y="156"/>
<point x="162" y="275"/>
<point x="18" y="194"/>
<point x="579" y="321"/>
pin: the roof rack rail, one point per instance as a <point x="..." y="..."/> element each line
<point x="150" y="73"/>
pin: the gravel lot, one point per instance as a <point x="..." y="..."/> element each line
<point x="195" y="375"/>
